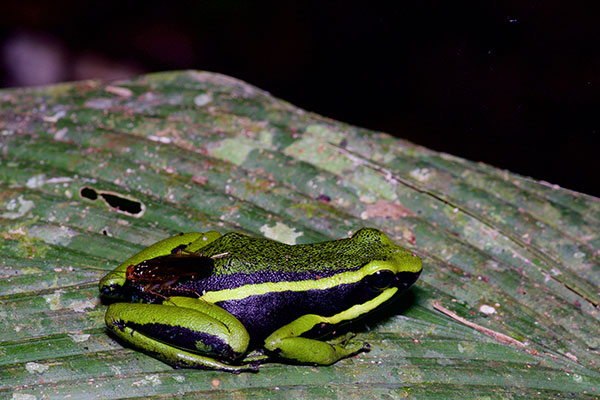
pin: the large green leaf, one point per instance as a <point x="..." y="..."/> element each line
<point x="92" y="172"/>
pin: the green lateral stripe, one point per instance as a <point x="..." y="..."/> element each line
<point x="298" y="286"/>
<point x="307" y="322"/>
<point x="360" y="309"/>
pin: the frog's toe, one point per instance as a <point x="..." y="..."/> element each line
<point x="355" y="346"/>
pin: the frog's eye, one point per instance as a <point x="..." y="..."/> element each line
<point x="381" y="280"/>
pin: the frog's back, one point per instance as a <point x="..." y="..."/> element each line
<point x="255" y="257"/>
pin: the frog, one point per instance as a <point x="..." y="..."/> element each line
<point x="232" y="301"/>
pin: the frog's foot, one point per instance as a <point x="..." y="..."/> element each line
<point x="350" y="343"/>
<point x="256" y="357"/>
<point x="185" y="359"/>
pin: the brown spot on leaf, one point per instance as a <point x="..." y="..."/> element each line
<point x="200" y="179"/>
<point x="387" y="209"/>
<point x="409" y="236"/>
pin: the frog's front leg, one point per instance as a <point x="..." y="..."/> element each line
<point x="287" y="343"/>
<point x="182" y="331"/>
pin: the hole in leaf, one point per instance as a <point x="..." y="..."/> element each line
<point x="116" y="201"/>
<point x="122" y="203"/>
<point x="88" y="193"/>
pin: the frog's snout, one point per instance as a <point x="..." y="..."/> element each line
<point x="406" y="279"/>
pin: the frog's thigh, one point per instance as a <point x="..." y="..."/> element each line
<point x="182" y="323"/>
<point x="286" y="343"/>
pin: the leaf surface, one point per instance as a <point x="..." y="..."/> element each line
<point x="92" y="172"/>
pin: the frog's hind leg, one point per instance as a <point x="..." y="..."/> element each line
<point x="183" y="332"/>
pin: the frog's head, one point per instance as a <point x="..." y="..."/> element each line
<point x="391" y="266"/>
<point x="391" y="270"/>
<point x="384" y="271"/>
<point x="391" y="276"/>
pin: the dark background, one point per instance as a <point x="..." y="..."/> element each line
<point x="514" y="84"/>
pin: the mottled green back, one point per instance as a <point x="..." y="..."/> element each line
<point x="249" y="255"/>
